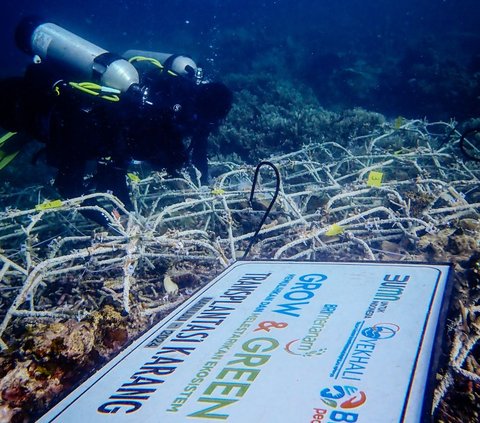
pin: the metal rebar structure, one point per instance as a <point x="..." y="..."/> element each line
<point x="398" y="193"/>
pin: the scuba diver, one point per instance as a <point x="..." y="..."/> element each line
<point x="142" y="106"/>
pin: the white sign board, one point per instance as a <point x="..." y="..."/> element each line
<point x="273" y="341"/>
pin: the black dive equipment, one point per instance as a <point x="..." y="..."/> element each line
<point x="50" y="42"/>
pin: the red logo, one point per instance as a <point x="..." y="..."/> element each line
<point x="345" y="397"/>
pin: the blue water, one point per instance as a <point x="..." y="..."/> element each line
<point x="411" y="57"/>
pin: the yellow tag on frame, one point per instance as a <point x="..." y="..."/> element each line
<point x="49" y="205"/>
<point x="133" y="177"/>
<point x="218" y="191"/>
<point x="374" y="179"/>
<point x="333" y="230"/>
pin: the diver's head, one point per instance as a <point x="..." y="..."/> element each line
<point x="213" y="102"/>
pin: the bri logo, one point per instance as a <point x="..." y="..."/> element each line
<point x="343" y="396"/>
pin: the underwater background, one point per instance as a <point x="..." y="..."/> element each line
<point x="325" y="89"/>
<point x="415" y="58"/>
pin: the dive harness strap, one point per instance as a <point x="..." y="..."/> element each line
<point x="101" y="63"/>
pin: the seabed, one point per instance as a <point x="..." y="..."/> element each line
<point x="73" y="294"/>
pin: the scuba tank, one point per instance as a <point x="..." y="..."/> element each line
<point x="180" y="64"/>
<point x="51" y="42"/>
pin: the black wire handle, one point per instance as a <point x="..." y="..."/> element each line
<point x="252" y="192"/>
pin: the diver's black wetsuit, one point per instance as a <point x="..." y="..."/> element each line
<point x="77" y="127"/>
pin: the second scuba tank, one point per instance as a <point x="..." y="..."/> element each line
<point x="54" y="43"/>
<point x="180" y="64"/>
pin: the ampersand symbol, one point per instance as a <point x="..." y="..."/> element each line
<point x="267" y="325"/>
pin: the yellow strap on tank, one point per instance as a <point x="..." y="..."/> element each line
<point x="93" y="89"/>
<point x="151" y="60"/>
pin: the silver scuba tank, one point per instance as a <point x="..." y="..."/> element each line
<point x="51" y="42"/>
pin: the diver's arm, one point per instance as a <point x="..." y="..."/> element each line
<point x="111" y="176"/>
